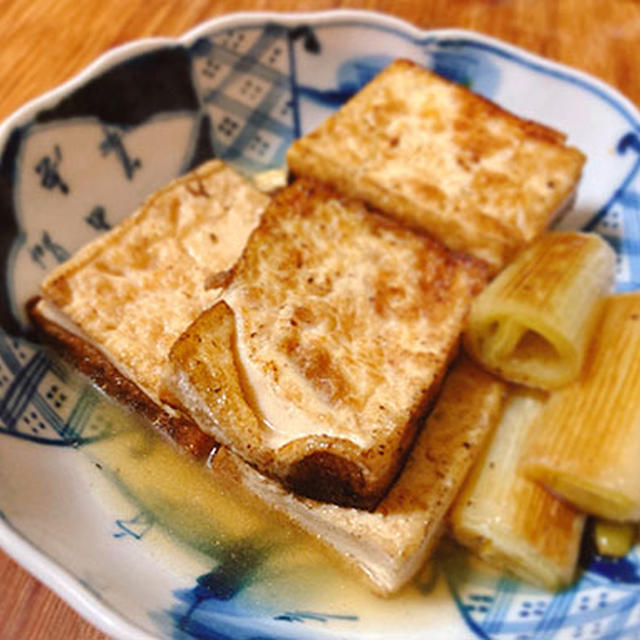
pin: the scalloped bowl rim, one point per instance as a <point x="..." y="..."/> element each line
<point x="29" y="556"/>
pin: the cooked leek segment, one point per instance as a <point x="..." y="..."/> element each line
<point x="586" y="445"/>
<point x="533" y="323"/>
<point x="510" y="521"/>
<point x="614" y="538"/>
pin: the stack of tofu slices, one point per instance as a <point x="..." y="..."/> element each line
<point x="306" y="342"/>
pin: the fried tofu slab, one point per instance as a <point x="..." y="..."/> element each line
<point x="329" y="345"/>
<point x="438" y="157"/>
<point x="127" y="296"/>
<point x="389" y="545"/>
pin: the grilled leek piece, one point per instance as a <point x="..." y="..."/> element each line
<point x="533" y="324"/>
<point x="511" y="521"/>
<point x="586" y="446"/>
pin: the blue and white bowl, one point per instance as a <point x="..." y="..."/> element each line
<point x="242" y="87"/>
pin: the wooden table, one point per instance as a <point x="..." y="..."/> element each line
<point x="44" y="43"/>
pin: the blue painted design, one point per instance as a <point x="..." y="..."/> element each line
<point x="90" y="588"/>
<point x="21" y="390"/>
<point x="619" y="570"/>
<point x="538" y="67"/>
<point x="308" y="36"/>
<point x="203" y="145"/>
<point x="354" y="74"/>
<point x="113" y="142"/>
<point x="350" y="78"/>
<point x="212" y="608"/>
<point x="495" y="607"/>
<point x="628" y="141"/>
<point x="201" y="48"/>
<point x="294" y="89"/>
<point x="48" y="246"/>
<point x="29" y="411"/>
<point x="135" y="527"/>
<point x="97" y="218"/>
<point x="303" y="616"/>
<point x="10" y="226"/>
<point x="454" y="62"/>
<point x="621" y="214"/>
<point x="630" y="199"/>
<point x="132" y="91"/>
<point x="237" y="567"/>
<point x="47" y="168"/>
<point x="311" y="45"/>
<point x="250" y="132"/>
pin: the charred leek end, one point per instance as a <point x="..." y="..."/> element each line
<point x="510" y="521"/>
<point x="614" y="538"/>
<point x="586" y="445"/>
<point x="533" y="323"/>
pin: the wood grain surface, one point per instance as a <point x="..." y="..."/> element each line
<point x="47" y="42"/>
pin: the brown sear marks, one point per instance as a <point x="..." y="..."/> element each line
<point x="173" y="218"/>
<point x="92" y="363"/>
<point x="199" y="190"/>
<point x="388" y="297"/>
<point x="304" y="315"/>
<point x="434" y="283"/>
<point x="218" y="280"/>
<point x="539" y="131"/>
<point x="496" y="189"/>
<point x="329" y="324"/>
<point x="427" y="191"/>
<point x="60" y="291"/>
<point x="316" y="365"/>
<point x="473" y="136"/>
<point x="384" y="112"/>
<point x="480" y="109"/>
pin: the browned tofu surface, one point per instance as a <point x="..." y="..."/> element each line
<point x="330" y="344"/>
<point x="173" y="424"/>
<point x="134" y="290"/>
<point x="438" y="157"/>
<point x="387" y="546"/>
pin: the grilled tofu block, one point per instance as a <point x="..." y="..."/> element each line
<point x="129" y="294"/>
<point x="438" y="157"/>
<point x="328" y="347"/>
<point x="388" y="546"/>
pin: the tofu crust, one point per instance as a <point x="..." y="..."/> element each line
<point x="117" y="305"/>
<point x="438" y="157"/>
<point x="389" y="545"/>
<point x="346" y="318"/>
<point x="135" y="289"/>
<point x="176" y="426"/>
